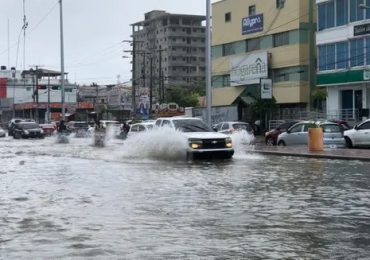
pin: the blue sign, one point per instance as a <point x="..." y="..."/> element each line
<point x="252" y="24"/>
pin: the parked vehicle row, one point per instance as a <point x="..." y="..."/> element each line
<point x="336" y="133"/>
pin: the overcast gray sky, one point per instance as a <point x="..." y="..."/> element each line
<point x="93" y="34"/>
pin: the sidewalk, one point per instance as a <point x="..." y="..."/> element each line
<point x="302" y="151"/>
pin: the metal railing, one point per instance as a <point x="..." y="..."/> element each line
<point x="285" y="115"/>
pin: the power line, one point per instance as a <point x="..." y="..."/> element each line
<point x="33" y="28"/>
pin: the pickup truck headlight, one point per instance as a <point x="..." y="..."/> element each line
<point x="228" y="142"/>
<point x="41" y="131"/>
<point x="195" y="143"/>
<point x="26" y="132"/>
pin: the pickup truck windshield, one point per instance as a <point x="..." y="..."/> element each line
<point x="191" y="125"/>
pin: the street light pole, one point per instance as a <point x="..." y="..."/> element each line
<point x="208" y="63"/>
<point x="62" y="59"/>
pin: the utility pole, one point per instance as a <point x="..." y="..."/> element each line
<point x="208" y="63"/>
<point x="151" y="86"/>
<point x="49" y="112"/>
<point x="160" y="78"/>
<point x="143" y="70"/>
<point x="25" y="25"/>
<point x="13" y="76"/>
<point x="311" y="55"/>
<point x="62" y="59"/>
<point x="37" y="94"/>
<point x="133" y="93"/>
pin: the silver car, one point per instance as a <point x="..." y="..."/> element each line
<point x="298" y="134"/>
<point x="230" y="128"/>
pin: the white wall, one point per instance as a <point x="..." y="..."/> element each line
<point x="23" y="93"/>
<point x="333" y="99"/>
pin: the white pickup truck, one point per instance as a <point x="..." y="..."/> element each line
<point x="202" y="141"/>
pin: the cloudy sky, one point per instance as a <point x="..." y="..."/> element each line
<point x="93" y="34"/>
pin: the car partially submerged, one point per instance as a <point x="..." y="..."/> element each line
<point x="202" y="141"/>
<point x="27" y="130"/>
<point x="79" y="128"/>
<point x="48" y="129"/>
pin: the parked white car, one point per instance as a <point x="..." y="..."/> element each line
<point x="140" y="127"/>
<point x="359" y="135"/>
<point x="202" y="141"/>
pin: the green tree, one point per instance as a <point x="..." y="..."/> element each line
<point x="184" y="96"/>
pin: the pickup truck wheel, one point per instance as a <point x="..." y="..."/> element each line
<point x="281" y="143"/>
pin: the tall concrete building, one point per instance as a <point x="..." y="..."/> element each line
<point x="343" y="43"/>
<point x="168" y="50"/>
<point x="263" y="39"/>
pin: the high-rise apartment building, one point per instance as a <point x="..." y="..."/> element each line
<point x="168" y="50"/>
<point x="263" y="39"/>
<point x="343" y="43"/>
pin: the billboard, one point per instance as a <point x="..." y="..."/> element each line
<point x="252" y="24"/>
<point x="248" y="69"/>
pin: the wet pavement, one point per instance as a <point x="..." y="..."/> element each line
<point x="140" y="199"/>
<point x="303" y="151"/>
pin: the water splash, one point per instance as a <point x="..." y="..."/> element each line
<point x="159" y="143"/>
<point x="242" y="141"/>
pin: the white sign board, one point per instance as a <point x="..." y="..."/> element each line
<point x="248" y="69"/>
<point x="266" y="88"/>
<point x="366" y="74"/>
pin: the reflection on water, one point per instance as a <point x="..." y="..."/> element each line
<point x="76" y="200"/>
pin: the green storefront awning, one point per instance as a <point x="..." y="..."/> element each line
<point x="344" y="77"/>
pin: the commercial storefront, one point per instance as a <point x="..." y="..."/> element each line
<point x="254" y="40"/>
<point x="343" y="45"/>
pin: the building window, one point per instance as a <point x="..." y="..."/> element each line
<point x="228" y="49"/>
<point x="252" y="10"/>
<point x="357" y="52"/>
<point x="326" y="15"/>
<point x="342" y="55"/>
<point x="280" y="75"/>
<point x="226" y="80"/>
<point x="227" y="17"/>
<point x="356" y="10"/>
<point x="281" y="39"/>
<point x="333" y="56"/>
<point x="280" y="4"/>
<point x="253" y="44"/>
<point x="342" y="12"/>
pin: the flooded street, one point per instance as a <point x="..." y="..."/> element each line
<point x="128" y="200"/>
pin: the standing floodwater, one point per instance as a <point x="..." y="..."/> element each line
<point x="76" y="200"/>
